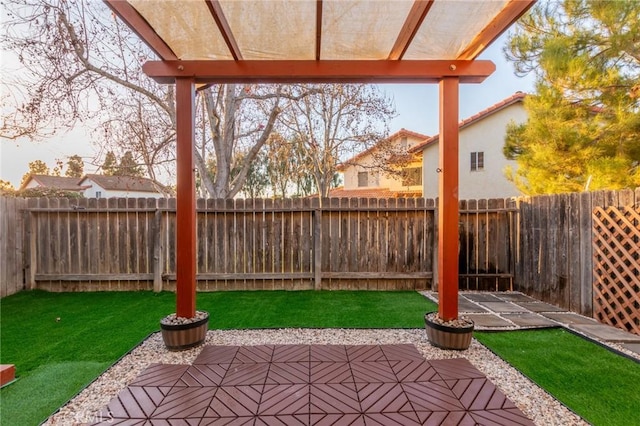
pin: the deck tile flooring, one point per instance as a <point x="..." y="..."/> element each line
<point x="313" y="385"/>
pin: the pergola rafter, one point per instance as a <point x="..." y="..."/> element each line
<point x="374" y="42"/>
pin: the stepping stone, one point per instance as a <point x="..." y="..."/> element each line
<point x="540" y="307"/>
<point x="569" y="318"/>
<point x="515" y="297"/>
<point x="633" y="347"/>
<point x="481" y="297"/>
<point x="488" y="320"/>
<point x="502" y="307"/>
<point x="527" y="319"/>
<point x="607" y="333"/>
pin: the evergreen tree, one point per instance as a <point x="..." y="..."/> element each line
<point x="110" y="164"/>
<point x="75" y="166"/>
<point x="584" y="121"/>
<point x="37" y="167"/>
<point x="128" y="166"/>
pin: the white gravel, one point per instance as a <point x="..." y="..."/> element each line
<point x="531" y="399"/>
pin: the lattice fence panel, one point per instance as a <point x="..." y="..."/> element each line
<point x="616" y="259"/>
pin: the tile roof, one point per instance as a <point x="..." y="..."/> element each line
<point x="126" y="183"/>
<point x="515" y="98"/>
<point x="371" y="193"/>
<point x="399" y="133"/>
<point x="58" y="182"/>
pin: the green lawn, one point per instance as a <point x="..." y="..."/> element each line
<point x="60" y="342"/>
<point x="604" y="388"/>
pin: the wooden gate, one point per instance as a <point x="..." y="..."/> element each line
<point x="616" y="260"/>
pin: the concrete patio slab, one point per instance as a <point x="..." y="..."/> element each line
<point x="515" y="297"/>
<point x="481" y="297"/>
<point x="465" y="305"/>
<point x="633" y="347"/>
<point x="489" y="321"/>
<point x="606" y="332"/>
<point x="503" y="307"/>
<point x="526" y="319"/>
<point x="536" y="306"/>
<point x="569" y="318"/>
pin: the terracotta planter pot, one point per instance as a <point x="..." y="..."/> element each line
<point x="448" y="337"/>
<point x="179" y="337"/>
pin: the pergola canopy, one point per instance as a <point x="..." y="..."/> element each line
<point x="335" y="41"/>
<point x="319" y="40"/>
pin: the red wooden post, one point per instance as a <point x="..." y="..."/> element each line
<point x="185" y="199"/>
<point x="448" y="201"/>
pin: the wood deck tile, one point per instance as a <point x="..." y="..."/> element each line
<point x="365" y="372"/>
<point x="333" y="398"/>
<point x="216" y="355"/>
<point x="203" y="375"/>
<point x="401" y="352"/>
<point x="331" y="372"/>
<point x="282" y="373"/>
<point x="160" y="375"/>
<point x="328" y="353"/>
<point x="414" y="371"/>
<point x="312" y="385"/>
<point x="291" y="353"/>
<point x="363" y="353"/>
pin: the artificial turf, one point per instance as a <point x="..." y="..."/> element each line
<point x="60" y="342"/>
<point x="599" y="385"/>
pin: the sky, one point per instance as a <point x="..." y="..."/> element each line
<point x="416" y="108"/>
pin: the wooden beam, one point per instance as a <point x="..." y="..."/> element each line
<point x="448" y="215"/>
<point x="319" y="71"/>
<point x="185" y="199"/>
<point x="499" y="24"/>
<point x="411" y="26"/>
<point x="141" y="27"/>
<point x="225" y="29"/>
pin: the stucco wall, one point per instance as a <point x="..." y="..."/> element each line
<point x="91" y="192"/>
<point x="394" y="183"/>
<point x="486" y="135"/>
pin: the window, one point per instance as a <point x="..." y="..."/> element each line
<point x="477" y="161"/>
<point x="412" y="176"/>
<point x="363" y="179"/>
<point x="98" y="194"/>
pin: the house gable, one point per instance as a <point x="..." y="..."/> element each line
<point x="481" y="161"/>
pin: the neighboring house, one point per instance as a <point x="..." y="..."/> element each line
<point x="364" y="175"/>
<point x="482" y="163"/>
<point x="62" y="183"/>
<point x="101" y="186"/>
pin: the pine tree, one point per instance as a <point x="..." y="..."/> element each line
<point x="37" y="167"/>
<point x="110" y="164"/>
<point x="75" y="166"/>
<point x="584" y="121"/>
<point x="128" y="166"/>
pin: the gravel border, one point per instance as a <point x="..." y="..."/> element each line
<point x="534" y="402"/>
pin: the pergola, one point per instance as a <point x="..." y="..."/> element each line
<point x="318" y="41"/>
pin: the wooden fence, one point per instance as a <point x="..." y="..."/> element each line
<point x="555" y="257"/>
<point x="120" y="244"/>
<point x="545" y="246"/>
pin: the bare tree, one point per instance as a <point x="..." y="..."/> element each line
<point x="83" y="65"/>
<point x="334" y="123"/>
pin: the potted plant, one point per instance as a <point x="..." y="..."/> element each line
<point x="180" y="333"/>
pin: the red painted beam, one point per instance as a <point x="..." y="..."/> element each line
<point x="185" y="199"/>
<point x="385" y="71"/>
<point x="448" y="208"/>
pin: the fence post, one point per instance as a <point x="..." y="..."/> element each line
<point x="434" y="280"/>
<point x="157" y="251"/>
<point x="317" y="245"/>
